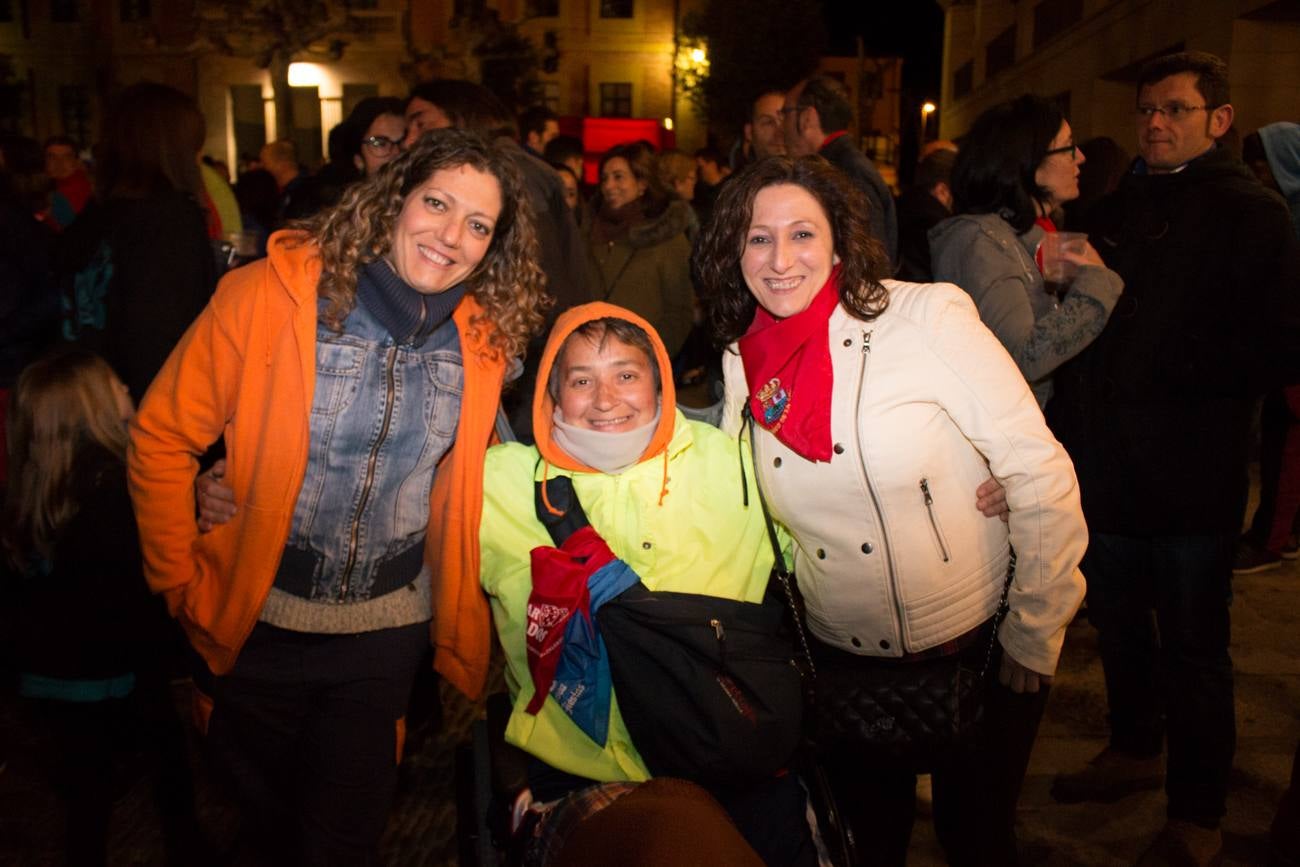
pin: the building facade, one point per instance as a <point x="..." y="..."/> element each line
<point x="1086" y="54"/>
<point x="67" y="58"/>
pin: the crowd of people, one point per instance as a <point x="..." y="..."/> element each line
<point x="287" y="409"/>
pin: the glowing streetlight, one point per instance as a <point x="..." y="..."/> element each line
<point x="306" y="75"/>
<point x="927" y="108"/>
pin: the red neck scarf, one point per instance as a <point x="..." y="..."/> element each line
<point x="788" y="367"/>
<point x="1045" y="222"/>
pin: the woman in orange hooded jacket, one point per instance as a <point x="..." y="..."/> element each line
<point x="355" y="375"/>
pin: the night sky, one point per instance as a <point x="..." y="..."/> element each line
<point x="912" y="29"/>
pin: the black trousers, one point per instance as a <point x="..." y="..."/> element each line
<point x="974" y="793"/>
<point x="1161" y="608"/>
<point x="88" y="741"/>
<point x="304" y="728"/>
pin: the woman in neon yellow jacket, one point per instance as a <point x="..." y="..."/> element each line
<point x="669" y="498"/>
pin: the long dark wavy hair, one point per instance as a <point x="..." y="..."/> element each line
<point x="999" y="158"/>
<point x="359" y="229"/>
<point x="151" y="139"/>
<point x="715" y="261"/>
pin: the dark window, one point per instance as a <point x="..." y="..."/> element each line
<point x="74" y="111"/>
<point x="1051" y="17"/>
<point x="543" y="8"/>
<point x="248" y="116"/>
<point x="616" y="8"/>
<point x="63" y="11"/>
<point x="6" y="10"/>
<point x="135" y="10"/>
<point x="306" y="125"/>
<point x="963" y="80"/>
<point x="616" y="99"/>
<point x="1000" y="53"/>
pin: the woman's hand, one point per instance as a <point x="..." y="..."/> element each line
<point x="1017" y="678"/>
<point x="216" y="501"/>
<point x="1089" y="256"/>
<point x="991" y="500"/>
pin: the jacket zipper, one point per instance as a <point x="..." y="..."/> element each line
<point x="875" y="498"/>
<point x="355" y="531"/>
<point x="721" y="635"/>
<point x="934" y="521"/>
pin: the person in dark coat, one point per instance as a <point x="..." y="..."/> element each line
<point x="921" y="207"/>
<point x="85" y="632"/>
<point x="136" y="272"/>
<point x="816" y="118"/>
<point x="1156" y="414"/>
<point x="29" y="305"/>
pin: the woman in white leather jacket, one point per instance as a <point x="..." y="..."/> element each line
<point x="878" y="406"/>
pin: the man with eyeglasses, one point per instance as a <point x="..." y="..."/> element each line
<point x="1156" y="414"/>
<point x="816" y="117"/>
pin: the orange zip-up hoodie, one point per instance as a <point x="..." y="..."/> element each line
<point x="246" y="368"/>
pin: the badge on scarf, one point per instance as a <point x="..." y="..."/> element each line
<point x="774" y="401"/>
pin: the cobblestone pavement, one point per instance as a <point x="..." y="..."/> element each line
<point x="422" y="830"/>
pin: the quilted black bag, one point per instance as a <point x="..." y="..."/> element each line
<point x="912" y="714"/>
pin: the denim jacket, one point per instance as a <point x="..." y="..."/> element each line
<point x="383" y="415"/>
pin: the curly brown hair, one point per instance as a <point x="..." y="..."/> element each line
<point x="715" y="261"/>
<point x="507" y="283"/>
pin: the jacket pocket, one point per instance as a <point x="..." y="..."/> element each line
<point x="338" y="376"/>
<point x="446" y="383"/>
<point x="939" y="537"/>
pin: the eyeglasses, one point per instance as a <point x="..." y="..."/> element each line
<point x="1070" y="149"/>
<point x="380" y="144"/>
<point x="1173" y="111"/>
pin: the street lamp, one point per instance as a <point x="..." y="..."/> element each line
<point x="927" y="108"/>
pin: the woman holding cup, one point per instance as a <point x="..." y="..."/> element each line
<point x="1045" y="294"/>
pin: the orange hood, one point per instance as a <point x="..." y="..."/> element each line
<point x="544" y="404"/>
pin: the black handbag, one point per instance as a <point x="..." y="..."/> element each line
<point x="912" y="714"/>
<point x="707" y="687"/>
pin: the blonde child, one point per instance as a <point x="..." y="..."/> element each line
<point x="83" y="622"/>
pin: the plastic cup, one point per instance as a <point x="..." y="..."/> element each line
<point x="1058" y="271"/>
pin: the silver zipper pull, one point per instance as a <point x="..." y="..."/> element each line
<point x="925" y="489"/>
<point x="866" y="342"/>
<point x="717" y="629"/>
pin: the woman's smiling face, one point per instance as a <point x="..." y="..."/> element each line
<point x="606" y="385"/>
<point x="789" y="249"/>
<point x="618" y="183"/>
<point x="445" y="228"/>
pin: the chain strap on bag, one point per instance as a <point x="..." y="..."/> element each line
<point x="900" y="713"/>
